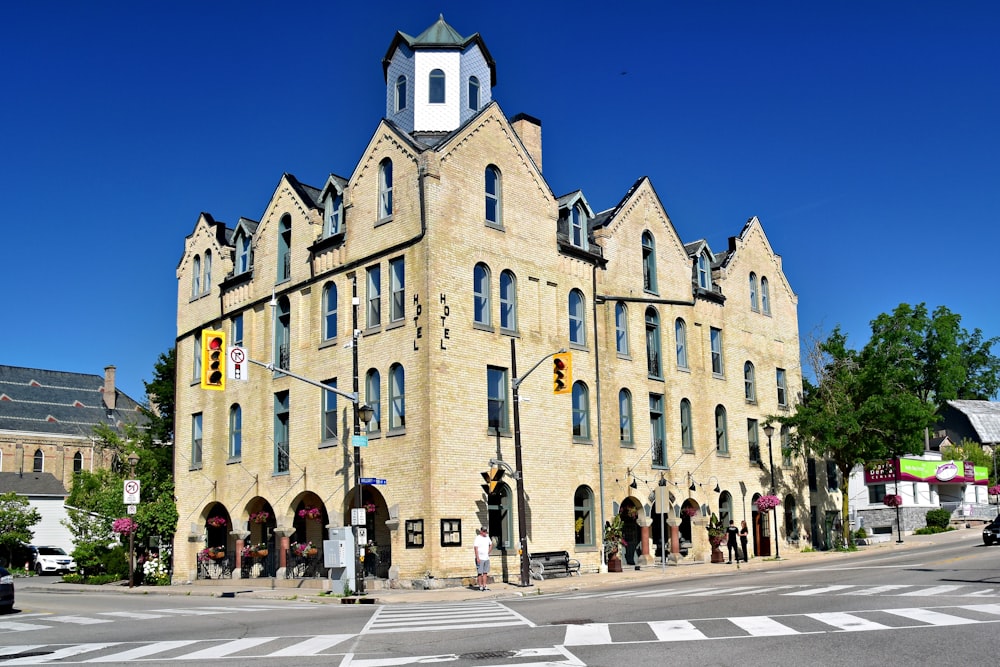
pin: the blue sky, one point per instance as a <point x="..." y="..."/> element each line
<point x="865" y="136"/>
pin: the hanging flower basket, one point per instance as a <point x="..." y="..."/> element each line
<point x="767" y="503"/>
<point x="311" y="513"/>
<point x="303" y="548"/>
<point x="370" y="508"/>
<point x="217" y="521"/>
<point x="690" y="512"/>
<point x="994" y="490"/>
<point x="893" y="501"/>
<point x="259" y="517"/>
<point x="124" y="526"/>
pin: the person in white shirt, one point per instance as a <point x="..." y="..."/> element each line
<point x="482" y="546"/>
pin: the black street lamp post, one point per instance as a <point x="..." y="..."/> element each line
<point x="132" y="460"/>
<point x="899" y="527"/>
<point x="769" y="431"/>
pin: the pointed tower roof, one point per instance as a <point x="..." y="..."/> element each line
<point x="440" y="35"/>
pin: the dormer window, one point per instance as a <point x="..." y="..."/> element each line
<point x="284" y="248"/>
<point x="333" y="214"/>
<point x="400" y="93"/>
<point x="704" y="272"/>
<point x="242" y="254"/>
<point x="196" y="278"/>
<point x="578" y="227"/>
<point x="385" y="189"/>
<point x="473" y="93"/>
<point x="436" y="87"/>
<point x="207" y="283"/>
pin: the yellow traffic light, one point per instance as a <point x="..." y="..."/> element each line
<point x="213" y="360"/>
<point x="492" y="479"/>
<point x="562" y="373"/>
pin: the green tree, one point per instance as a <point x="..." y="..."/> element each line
<point x="161" y="399"/>
<point x="17" y="516"/>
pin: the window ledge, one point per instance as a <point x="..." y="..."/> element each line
<point x="479" y="326"/>
<point x="234" y="459"/>
<point x="577" y="440"/>
<point x="332" y="442"/>
<point x="395" y="324"/>
<point x="495" y="225"/>
<point x="329" y="342"/>
<point x="383" y="221"/>
<point x="394" y="432"/>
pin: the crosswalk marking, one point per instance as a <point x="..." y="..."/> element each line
<point x="933" y="590"/>
<point x="985" y="608"/>
<point x="763" y="626"/>
<point x="878" y="590"/>
<point x="676" y="631"/>
<point x="59" y="654"/>
<point x="931" y="617"/>
<point x="131" y="615"/>
<point x="849" y="622"/>
<point x="588" y="634"/>
<point x="228" y="648"/>
<point x="144" y="651"/>
<point x="311" y="646"/>
<point x="17" y="626"/>
<point x="77" y="620"/>
<point x="414" y="618"/>
<point x="824" y="589"/>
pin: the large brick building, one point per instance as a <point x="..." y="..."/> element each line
<point x="458" y="255"/>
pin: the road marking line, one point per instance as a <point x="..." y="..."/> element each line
<point x="820" y="591"/>
<point x="227" y="648"/>
<point x="877" y="590"/>
<point x="144" y="651"/>
<point x="933" y="590"/>
<point x="424" y="628"/>
<point x="763" y="626"/>
<point x="675" y="631"/>
<point x="931" y="617"/>
<point x="65" y="652"/>
<point x="985" y="608"/>
<point x="78" y="620"/>
<point x="15" y="626"/>
<point x="589" y="634"/>
<point x="136" y="615"/>
<point x="848" y="622"/>
<point x="311" y="646"/>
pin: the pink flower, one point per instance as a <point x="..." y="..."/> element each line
<point x="893" y="500"/>
<point x="124" y="526"/>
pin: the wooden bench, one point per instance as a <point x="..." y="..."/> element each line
<point x="552" y="562"/>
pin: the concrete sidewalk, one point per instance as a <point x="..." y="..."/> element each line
<point x="262" y="588"/>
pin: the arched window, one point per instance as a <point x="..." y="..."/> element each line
<point x="653" y="366"/>
<point x="207" y="283"/>
<point x="493" y="192"/>
<point x="680" y="336"/>
<point x="285" y="248"/>
<point x="77" y="462"/>
<point x="581" y="411"/>
<point x="196" y="277"/>
<point x="704" y="272"/>
<point x="235" y="431"/>
<point x="508" y="301"/>
<point x="721" y="430"/>
<point x="435" y="88"/>
<point x="578" y="227"/>
<point x="481" y="295"/>
<point x="283" y="334"/>
<point x="583" y="515"/>
<point x="621" y="328"/>
<point x="473" y="93"/>
<point x="749" y="383"/>
<point x="329" y="311"/>
<point x="577" y="318"/>
<point x="373" y="396"/>
<point x="648" y="263"/>
<point x="397" y="397"/>
<point x="625" y="417"/>
<point x="385" y="189"/>
<point x="753" y="292"/>
<point x="765" y="296"/>
<point x="657" y="432"/>
<point x="791" y="518"/>
<point x="687" y="437"/>
<point x="39" y="461"/>
<point x="400" y="93"/>
<point x="725" y="507"/>
<point x="334" y="210"/>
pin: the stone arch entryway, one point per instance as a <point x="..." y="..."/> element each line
<point x="630" y="512"/>
<point x="689" y="510"/>
<point x="378" y="553"/>
<point x="260" y="557"/>
<point x="761" y="529"/>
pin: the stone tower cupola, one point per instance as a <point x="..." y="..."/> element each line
<point x="438" y="80"/>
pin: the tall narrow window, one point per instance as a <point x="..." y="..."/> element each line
<point x="578" y="227"/>
<point x="765" y="296"/>
<point x="721" y="430"/>
<point x="235" y="431"/>
<point x="753" y="440"/>
<point x="397" y="289"/>
<point x="749" y="383"/>
<point x="400" y="93"/>
<point x="236" y="330"/>
<point x="581" y="411"/>
<point x="196" y="277"/>
<point x="373" y="396"/>
<point x="493" y="208"/>
<point x="397" y="397"/>
<point x="243" y="254"/>
<point x="436" y="87"/>
<point x="583" y="516"/>
<point x="621" y="328"/>
<point x="283" y="335"/>
<point x="196" y="435"/>
<point x="786" y="447"/>
<point x="577" y="319"/>
<point x="284" y="248"/>
<point x="39" y="462"/>
<point x="329" y="411"/>
<point x="496" y="397"/>
<point x="782" y="387"/>
<point x="680" y="336"/>
<point x="716" y="341"/>
<point x="704" y="272"/>
<point x="374" y="296"/>
<point x="625" y="418"/>
<point x="473" y="93"/>
<point x="508" y="301"/>
<point x="687" y="437"/>
<point x="648" y="263"/>
<point x="196" y="356"/>
<point x="78" y="462"/>
<point x="653" y="366"/>
<point x="207" y="286"/>
<point x="282" y="454"/>
<point x="657" y="432"/>
<point x="754" y="305"/>
<point x="481" y="294"/>
<point x="334" y="213"/>
<point x="385" y="189"/>
<point x="329" y="311"/>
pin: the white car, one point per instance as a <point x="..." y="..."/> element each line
<point x="52" y="560"/>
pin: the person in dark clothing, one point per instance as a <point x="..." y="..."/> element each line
<point x="731" y="533"/>
<point x="744" y="535"/>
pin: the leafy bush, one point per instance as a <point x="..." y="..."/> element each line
<point x="939" y="518"/>
<point x="115" y="562"/>
<point x="932" y="530"/>
<point x="860" y="534"/>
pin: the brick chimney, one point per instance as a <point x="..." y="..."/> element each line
<point x="109" y="387"/>
<point x="529" y="131"/>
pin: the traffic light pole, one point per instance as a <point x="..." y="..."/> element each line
<point x="522" y="518"/>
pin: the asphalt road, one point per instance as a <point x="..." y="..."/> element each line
<point x="936" y="603"/>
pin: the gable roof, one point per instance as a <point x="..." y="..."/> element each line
<point x="59" y="402"/>
<point x="32" y="484"/>
<point x="983" y="416"/>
